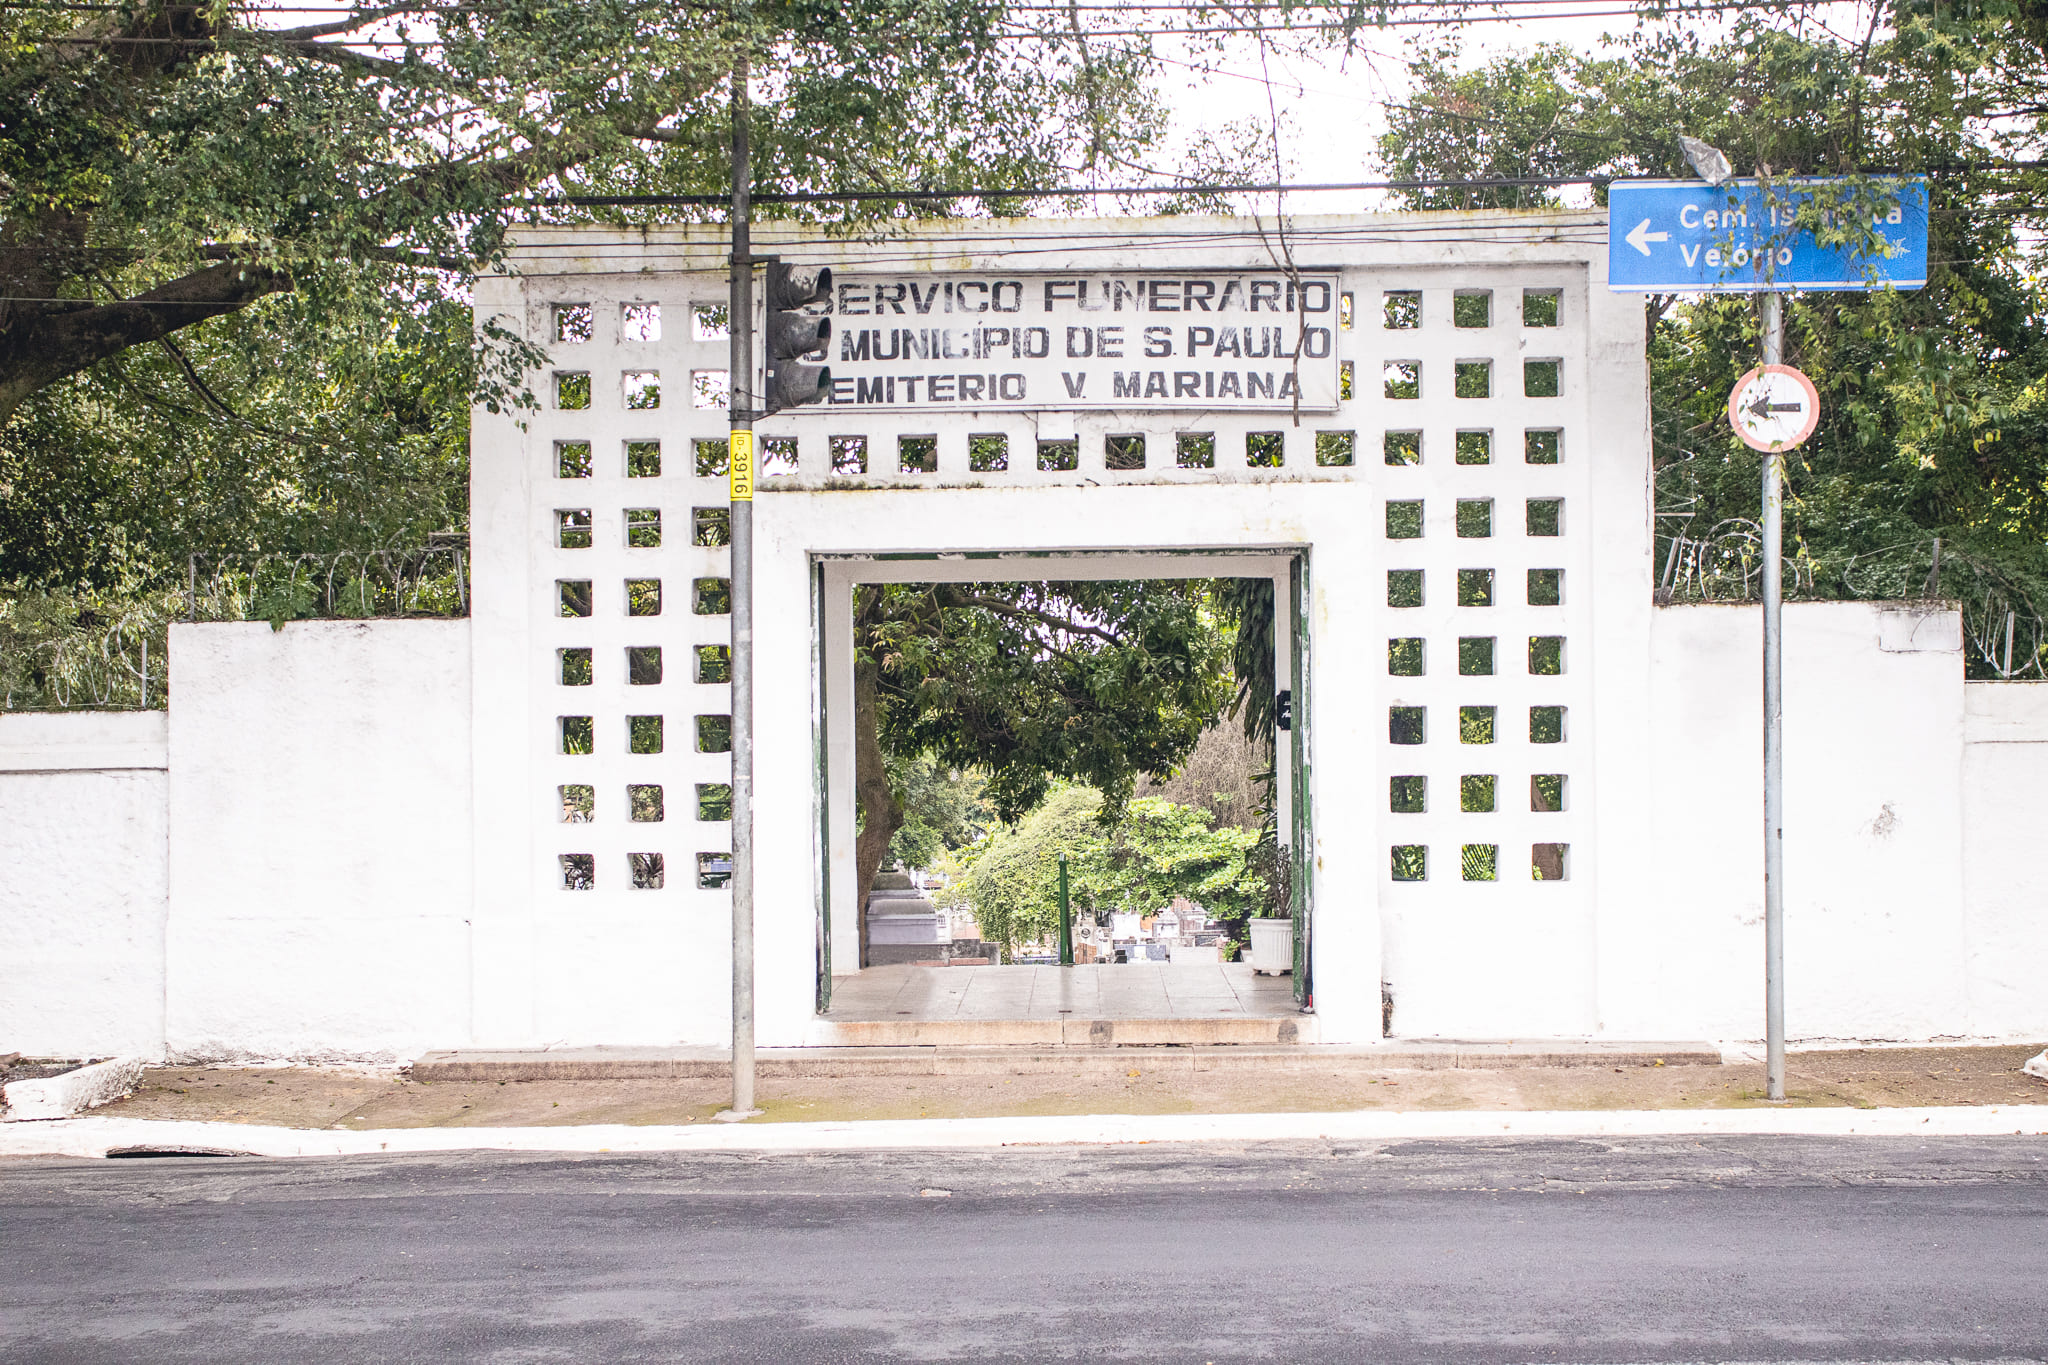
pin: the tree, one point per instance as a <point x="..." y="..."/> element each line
<point x="1093" y="682"/>
<point x="942" y="810"/>
<point x="1154" y="851"/>
<point x="1933" y="423"/>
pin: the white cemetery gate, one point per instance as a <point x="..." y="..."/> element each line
<point x="1436" y="424"/>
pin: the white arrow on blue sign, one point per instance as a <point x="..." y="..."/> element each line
<point x="1684" y="236"/>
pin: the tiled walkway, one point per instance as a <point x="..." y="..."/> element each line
<point x="1144" y="991"/>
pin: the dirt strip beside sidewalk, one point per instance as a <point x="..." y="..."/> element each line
<point x="311" y="1097"/>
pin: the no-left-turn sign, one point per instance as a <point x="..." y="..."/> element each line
<point x="1774" y="407"/>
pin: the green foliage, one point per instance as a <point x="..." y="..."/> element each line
<point x="1092" y="682"/>
<point x="942" y="810"/>
<point x="1935" y="402"/>
<point x="64" y="650"/>
<point x="1156" y="851"/>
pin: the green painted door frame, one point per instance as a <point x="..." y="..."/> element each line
<point x="1301" y="848"/>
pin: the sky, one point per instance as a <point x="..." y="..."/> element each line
<point x="1336" y="102"/>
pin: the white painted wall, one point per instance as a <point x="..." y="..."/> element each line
<point x="82" y="883"/>
<point x="1875" y="935"/>
<point x="2005" y="873"/>
<point x="320" y="878"/>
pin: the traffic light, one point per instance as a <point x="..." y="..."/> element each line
<point x="792" y="334"/>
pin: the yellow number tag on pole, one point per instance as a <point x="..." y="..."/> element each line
<point x="740" y="468"/>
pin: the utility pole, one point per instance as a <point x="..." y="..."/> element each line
<point x="740" y="495"/>
<point x="1774" y="728"/>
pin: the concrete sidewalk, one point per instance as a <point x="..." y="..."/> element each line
<point x="1169" y="1081"/>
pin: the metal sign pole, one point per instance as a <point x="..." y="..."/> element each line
<point x="1774" y="729"/>
<point x="740" y="467"/>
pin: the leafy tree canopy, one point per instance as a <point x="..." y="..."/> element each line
<point x="1157" y="850"/>
<point x="1935" y="417"/>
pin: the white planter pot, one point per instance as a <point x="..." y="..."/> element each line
<point x="1272" y="945"/>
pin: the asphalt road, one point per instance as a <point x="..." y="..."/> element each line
<point x="1749" y="1249"/>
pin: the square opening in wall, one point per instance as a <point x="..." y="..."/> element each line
<point x="1402" y="309"/>
<point x="1347" y="379"/>
<point x="714" y="456"/>
<point x="1476" y="793"/>
<point x="1479" y="862"/>
<point x="1475" y="587"/>
<point x="1404" y="657"/>
<point x="917" y="454"/>
<point x="577" y="734"/>
<point x="1473" y="379"/>
<point x="1195" y="450"/>
<point x="714" y="663"/>
<point x="1539" y="307"/>
<point x="1475" y="725"/>
<point x="643" y="734"/>
<point x="579" y="803"/>
<point x="1546" y="587"/>
<point x="1404" y="520"/>
<point x="1123" y="452"/>
<point x="1404" y="587"/>
<point x="643" y="528"/>
<point x="643" y="597"/>
<point x="573" y="595"/>
<point x="1265" y="449"/>
<point x="714" y="734"/>
<point x="572" y="528"/>
<point x="1334" y="449"/>
<point x="579" y="871"/>
<point x="988" y="453"/>
<point x="849" y="454"/>
<point x="572" y="323"/>
<point x="1408" y="795"/>
<point x="711" y="596"/>
<point x="1549" y="862"/>
<point x="572" y="390"/>
<point x="1542" y="378"/>
<point x="1546" y="655"/>
<point x="1475" y="518"/>
<point x="711" y="527"/>
<point x="639" y="322"/>
<point x="710" y="322"/>
<point x="710" y="390"/>
<point x="643" y="665"/>
<point x="1407" y="724"/>
<point x="1545" y="516"/>
<point x="1475" y="656"/>
<point x="643" y="459"/>
<point x="642" y="389"/>
<point x="572" y="459"/>
<point x="714" y="871"/>
<point x="644" y="803"/>
<point x="575" y="666"/>
<point x="1402" y="447"/>
<point x="1410" y="863"/>
<point x="714" y="801"/>
<point x="1057" y="457"/>
<point x="647" y="870"/>
<point x="1546" y="792"/>
<point x="778" y="458"/>
<point x="1402" y="379"/>
<point x="1546" y="725"/>
<point x="1472" y="308"/>
<point x="1541" y="446"/>
<point x="1475" y="447"/>
<point x="1347" y="311"/>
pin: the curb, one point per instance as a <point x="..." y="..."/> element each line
<point x="101" y="1137"/>
<point x="59" y="1097"/>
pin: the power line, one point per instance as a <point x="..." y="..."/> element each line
<point x="1076" y="192"/>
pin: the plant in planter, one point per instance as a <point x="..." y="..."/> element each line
<point x="1272" y="931"/>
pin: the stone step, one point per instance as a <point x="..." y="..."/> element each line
<point x="1236" y="1031"/>
<point x="679" y="1063"/>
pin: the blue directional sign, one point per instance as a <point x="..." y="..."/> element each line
<point x="1684" y="236"/>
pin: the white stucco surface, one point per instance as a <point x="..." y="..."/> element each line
<point x="2005" y="873"/>
<point x="83" y="880"/>
<point x="319" y="826"/>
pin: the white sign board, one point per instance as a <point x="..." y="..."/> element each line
<point x="1193" y="340"/>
